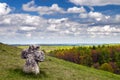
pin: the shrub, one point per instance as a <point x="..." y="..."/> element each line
<point x="106" y="67"/>
<point x="96" y="65"/>
<point x="115" y="67"/>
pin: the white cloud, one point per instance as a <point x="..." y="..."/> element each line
<point x="38" y="25"/>
<point x="76" y="10"/>
<point x="52" y="27"/>
<point x="63" y="27"/>
<point x="95" y="2"/>
<point x="107" y="17"/>
<point x="66" y="32"/>
<point x="28" y="35"/>
<point x="83" y="15"/>
<point x="30" y="6"/>
<point x="5" y="21"/>
<point x="27" y="28"/>
<point x="24" y="26"/>
<point x="117" y="18"/>
<point x="57" y="21"/>
<point x="54" y="8"/>
<point x="22" y="20"/>
<point x="95" y="15"/>
<point x="4" y="9"/>
<point x="33" y="20"/>
<point x="100" y="31"/>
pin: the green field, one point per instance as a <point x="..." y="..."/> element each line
<point x="49" y="48"/>
<point x="51" y="69"/>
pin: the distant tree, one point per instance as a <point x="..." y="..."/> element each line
<point x="105" y="57"/>
<point x="94" y="47"/>
<point x="95" y="56"/>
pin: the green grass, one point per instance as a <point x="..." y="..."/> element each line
<point x="51" y="69"/>
<point x="49" y="48"/>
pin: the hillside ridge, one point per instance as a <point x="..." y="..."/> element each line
<point x="51" y="69"/>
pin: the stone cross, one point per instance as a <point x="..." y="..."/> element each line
<point x="32" y="55"/>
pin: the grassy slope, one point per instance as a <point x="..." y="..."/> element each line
<point x="52" y="69"/>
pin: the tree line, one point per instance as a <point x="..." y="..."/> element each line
<point x="104" y="57"/>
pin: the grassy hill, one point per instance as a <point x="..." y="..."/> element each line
<point x="52" y="69"/>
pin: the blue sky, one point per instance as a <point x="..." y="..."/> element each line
<point x="59" y="21"/>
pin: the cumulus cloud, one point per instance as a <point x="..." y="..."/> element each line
<point x="28" y="35"/>
<point x="106" y="28"/>
<point x="76" y="10"/>
<point x="4" y="9"/>
<point x="23" y="23"/>
<point x="101" y="25"/>
<point x="96" y="17"/>
<point x="95" y="2"/>
<point x="57" y="20"/>
<point x="30" y="6"/>
<point x="27" y="28"/>
<point x="21" y="20"/>
<point x="52" y="27"/>
<point x="64" y="27"/>
<point x="101" y="31"/>
<point x="85" y="24"/>
<point x="83" y="15"/>
<point x="117" y="18"/>
<point x="54" y="8"/>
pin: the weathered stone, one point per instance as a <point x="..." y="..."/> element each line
<point x="32" y="56"/>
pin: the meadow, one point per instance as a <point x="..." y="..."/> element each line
<point x="51" y="69"/>
<point x="49" y="48"/>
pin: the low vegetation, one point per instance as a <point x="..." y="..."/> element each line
<point x="51" y="69"/>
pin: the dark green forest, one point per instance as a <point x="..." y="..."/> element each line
<point x="104" y="57"/>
